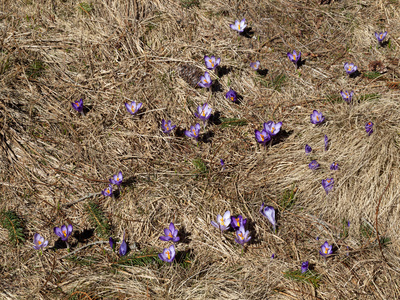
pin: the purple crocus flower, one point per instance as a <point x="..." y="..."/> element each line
<point x="262" y="137"/>
<point x="239" y="26"/>
<point x="273" y="256"/>
<point x="380" y="36"/>
<point x="117" y="179"/>
<point x="64" y="232"/>
<point x="242" y="236"/>
<point x="107" y="192"/>
<point x="194" y="131"/>
<point x="327" y="184"/>
<point x="294" y="57"/>
<point x="222" y="164"/>
<point x="334" y="166"/>
<point x="203" y="113"/>
<point x="255" y="65"/>
<point x="348" y="223"/>
<point x="167" y="127"/>
<point x="111" y="242"/>
<point x="39" y="242"/>
<point x="205" y="80"/>
<point x="368" y="128"/>
<point x="313" y="165"/>
<point x="168" y="254"/>
<point x="269" y="213"/>
<point x="317" y="117"/>
<point x="133" y="107"/>
<point x="222" y="222"/>
<point x="347" y="96"/>
<point x="326" y="142"/>
<point x="308" y="149"/>
<point x="171" y="234"/>
<point x="231" y="95"/>
<point x="350" y="68"/>
<point x="123" y="247"/>
<point x="304" y="267"/>
<point x="326" y="249"/>
<point x="211" y="62"/>
<point x="237" y="222"/>
<point x="77" y="105"/>
<point x="272" y="128"/>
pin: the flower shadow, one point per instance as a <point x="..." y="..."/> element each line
<point x="355" y="74"/>
<point x="206" y="137"/>
<point x="216" y="87"/>
<point x="83" y="236"/>
<point x="223" y="71"/>
<point x="184" y="236"/>
<point x="281" y="137"/>
<point x="215" y="118"/>
<point x="263" y="72"/>
<point x="248" y="32"/>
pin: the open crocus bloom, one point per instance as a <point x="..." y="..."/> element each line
<point x="211" y="62"/>
<point x="262" y="137"/>
<point x="272" y="128"/>
<point x="133" y="107"/>
<point x="205" y="80"/>
<point x="350" y="68"/>
<point x="255" y="65"/>
<point x="368" y="128"/>
<point x="64" y="232"/>
<point x="203" y="113"/>
<point x="380" y="36"/>
<point x="39" y="242"/>
<point x="317" y="117"/>
<point x="166" y="127"/>
<point x="327" y="184"/>
<point x="239" y="26"/>
<point x="294" y="57"/>
<point x="326" y="249"/>
<point x="242" y="236"/>
<point x="117" y="179"/>
<point x="222" y="222"/>
<point x="231" y="95"/>
<point x="194" y="131"/>
<point x="334" y="166"/>
<point x="107" y="192"/>
<point x="269" y="213"/>
<point x="347" y="96"/>
<point x="168" y="254"/>
<point x="77" y="105"/>
<point x="308" y="149"/>
<point x="237" y="222"/>
<point x="171" y="234"/>
<point x="313" y="165"/>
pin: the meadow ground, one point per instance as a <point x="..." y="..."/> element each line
<point x="110" y="52"/>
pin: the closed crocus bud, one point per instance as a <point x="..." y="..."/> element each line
<point x="308" y="149"/>
<point x="304" y="267"/>
<point x="269" y="213"/>
<point x="326" y="142"/>
<point x="111" y="242"/>
<point x="123" y="247"/>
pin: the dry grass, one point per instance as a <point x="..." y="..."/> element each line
<point x="109" y="52"/>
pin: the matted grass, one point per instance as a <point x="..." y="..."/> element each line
<point x="110" y="52"/>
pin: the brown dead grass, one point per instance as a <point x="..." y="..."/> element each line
<point x="133" y="50"/>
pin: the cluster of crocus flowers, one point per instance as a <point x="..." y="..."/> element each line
<point x="231" y="95"/>
<point x="171" y="234"/>
<point x="270" y="129"/>
<point x="39" y="242"/>
<point x="313" y="165"/>
<point x="203" y="113"/>
<point x="223" y="222"/>
<point x="205" y="80"/>
<point x="211" y="62"/>
<point x="350" y="68"/>
<point x="326" y="249"/>
<point x="295" y="57"/>
<point x="380" y="36"/>
<point x="317" y="117"/>
<point x="133" y="107"/>
<point x="334" y="166"/>
<point x="369" y="127"/>
<point x="255" y="65"/>
<point x="347" y="96"/>
<point x="194" y="131"/>
<point x="239" y="26"/>
<point x="269" y="213"/>
<point x="327" y="184"/>
<point x="123" y="248"/>
<point x="78" y="105"/>
<point x="168" y="254"/>
<point x="304" y="267"/>
<point x="167" y="127"/>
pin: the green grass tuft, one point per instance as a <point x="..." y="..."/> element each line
<point x="98" y="219"/>
<point x="371" y="75"/>
<point x="288" y="198"/>
<point x="190" y="3"/>
<point x="200" y="166"/>
<point x="10" y="221"/>
<point x="84" y="7"/>
<point x="35" y="69"/>
<point x="232" y="122"/>
<point x="369" y="97"/>
<point x="309" y="277"/>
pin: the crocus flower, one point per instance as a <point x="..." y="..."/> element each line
<point x="347" y="96"/>
<point x="269" y="213"/>
<point x="242" y="236"/>
<point x="334" y="166"/>
<point x="77" y="105"/>
<point x="380" y="36"/>
<point x="123" y="247"/>
<point x="168" y="254"/>
<point x="313" y="165"/>
<point x="262" y="137"/>
<point x="326" y="142"/>
<point x="64" y="232"/>
<point x="273" y="256"/>
<point x="107" y="192"/>
<point x="194" y="131"/>
<point x="205" y="80"/>
<point x="39" y="242"/>
<point x="211" y="62"/>
<point x="317" y="117"/>
<point x="237" y="222"/>
<point x="350" y="68"/>
<point x="111" y="242"/>
<point x="171" y="234"/>
<point x="117" y="179"/>
<point x="348" y="223"/>
<point x="327" y="184"/>
<point x="294" y="57"/>
<point x="222" y="164"/>
<point x="133" y="107"/>
<point x="317" y="238"/>
<point x="304" y="267"/>
<point x="231" y="95"/>
<point x="166" y="127"/>
<point x="239" y="26"/>
<point x="368" y="128"/>
<point x="272" y="128"/>
<point x="222" y="222"/>
<point x="326" y="249"/>
<point x="203" y="113"/>
<point x="308" y="149"/>
<point x="255" y="65"/>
